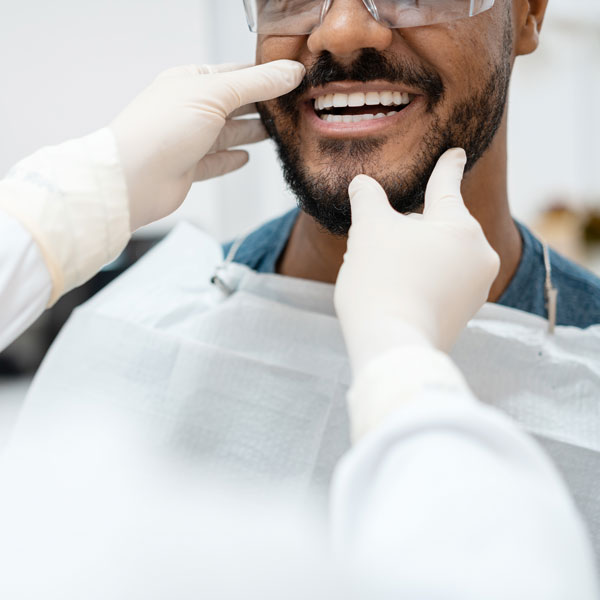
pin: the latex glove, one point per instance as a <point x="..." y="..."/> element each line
<point x="412" y="279"/>
<point x="80" y="200"/>
<point x="180" y="129"/>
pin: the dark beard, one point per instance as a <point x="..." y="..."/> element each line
<point x="472" y="125"/>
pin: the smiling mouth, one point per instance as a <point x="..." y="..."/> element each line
<point x="358" y="106"/>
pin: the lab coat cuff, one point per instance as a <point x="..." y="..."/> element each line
<point x="396" y="380"/>
<point x="73" y="200"/>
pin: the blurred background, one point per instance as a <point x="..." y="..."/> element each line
<point x="68" y="67"/>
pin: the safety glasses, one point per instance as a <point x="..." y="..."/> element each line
<point x="301" y="17"/>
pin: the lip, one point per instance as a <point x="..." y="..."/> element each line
<point x="363" y="128"/>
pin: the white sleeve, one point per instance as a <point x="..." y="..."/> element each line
<point x="72" y="199"/>
<point x="25" y="283"/>
<point x="446" y="498"/>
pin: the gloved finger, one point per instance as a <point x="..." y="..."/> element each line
<point x="188" y="70"/>
<point x="192" y="70"/>
<point x="220" y="163"/>
<point x="367" y="198"/>
<point x="237" y="133"/>
<point x="443" y="198"/>
<point x="259" y="83"/>
<point x="223" y="68"/>
<point x="247" y="109"/>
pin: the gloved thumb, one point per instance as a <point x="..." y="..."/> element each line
<point x="260" y="83"/>
<point x="443" y="198"/>
<point x="367" y="198"/>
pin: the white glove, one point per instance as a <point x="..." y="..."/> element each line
<point x="412" y="279"/>
<point x="80" y="200"/>
<point x="180" y="128"/>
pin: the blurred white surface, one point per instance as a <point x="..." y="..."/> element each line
<point x="554" y="127"/>
<point x="68" y="67"/>
<point x="12" y="394"/>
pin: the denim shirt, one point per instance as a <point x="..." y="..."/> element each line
<point x="578" y="289"/>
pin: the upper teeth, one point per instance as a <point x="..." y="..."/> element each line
<point x="361" y="99"/>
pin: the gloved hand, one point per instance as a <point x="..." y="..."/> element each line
<point x="81" y="200"/>
<point x="412" y="279"/>
<point x="179" y="130"/>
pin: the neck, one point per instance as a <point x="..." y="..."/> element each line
<point x="315" y="254"/>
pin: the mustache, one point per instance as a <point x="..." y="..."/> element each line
<point x="371" y="65"/>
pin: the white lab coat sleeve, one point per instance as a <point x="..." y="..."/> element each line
<point x="73" y="201"/>
<point x="444" y="497"/>
<point x="25" y="284"/>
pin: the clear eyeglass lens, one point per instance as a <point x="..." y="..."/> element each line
<point x="292" y="17"/>
<point x="418" y="13"/>
<point x="301" y="17"/>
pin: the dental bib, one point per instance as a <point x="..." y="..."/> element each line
<point x="253" y="382"/>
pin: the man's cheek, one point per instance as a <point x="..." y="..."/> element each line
<point x="273" y="113"/>
<point x="276" y="47"/>
<point x="268" y="112"/>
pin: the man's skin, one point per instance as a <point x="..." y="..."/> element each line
<point x="461" y="53"/>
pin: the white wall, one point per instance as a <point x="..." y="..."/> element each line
<point x="68" y="66"/>
<point x="554" y="144"/>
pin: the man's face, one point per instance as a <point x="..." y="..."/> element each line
<point x="456" y="76"/>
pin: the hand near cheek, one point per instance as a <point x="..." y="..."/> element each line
<point x="183" y="129"/>
<point x="412" y="278"/>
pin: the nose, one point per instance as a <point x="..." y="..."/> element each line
<point x="347" y="28"/>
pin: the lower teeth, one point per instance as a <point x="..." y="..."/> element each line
<point x="355" y="118"/>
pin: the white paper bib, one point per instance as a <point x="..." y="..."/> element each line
<point x="255" y="382"/>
